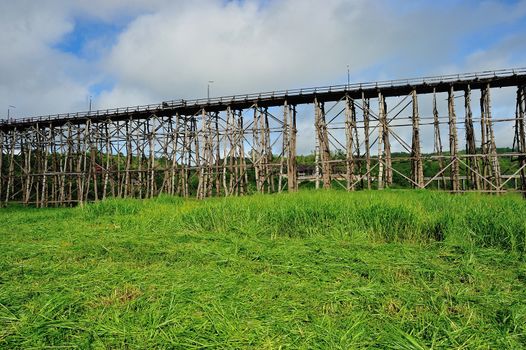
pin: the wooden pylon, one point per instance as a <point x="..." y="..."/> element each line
<point x="367" y="146"/>
<point x="453" y="141"/>
<point x="520" y="136"/>
<point x="417" y="170"/>
<point x="471" y="148"/>
<point x="292" y="173"/>
<point x="323" y="139"/>
<point x="489" y="148"/>
<point x="437" y="148"/>
<point x="350" y="127"/>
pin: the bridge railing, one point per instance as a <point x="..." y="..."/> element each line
<point x="269" y="95"/>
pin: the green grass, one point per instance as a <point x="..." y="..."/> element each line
<point x="391" y="269"/>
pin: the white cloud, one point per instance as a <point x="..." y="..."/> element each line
<point x="246" y="47"/>
<point x="34" y="76"/>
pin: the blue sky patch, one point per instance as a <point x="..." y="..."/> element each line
<point x="89" y="37"/>
<point x="488" y="37"/>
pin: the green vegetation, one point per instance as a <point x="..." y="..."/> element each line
<point x="390" y="269"/>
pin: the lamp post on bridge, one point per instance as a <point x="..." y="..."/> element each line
<point x="9" y="112"/>
<point x="208" y="89"/>
<point x="348" y="77"/>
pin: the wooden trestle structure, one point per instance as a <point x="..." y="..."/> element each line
<point x="247" y="143"/>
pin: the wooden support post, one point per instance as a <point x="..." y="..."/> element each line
<point x="129" y="159"/>
<point x="78" y="165"/>
<point x="109" y="156"/>
<point x="172" y="142"/>
<point x="437" y="148"/>
<point x="45" y="144"/>
<point x="365" y="108"/>
<point x="350" y="126"/>
<point x="242" y="161"/>
<point x="228" y="154"/>
<point x="323" y="139"/>
<point x="2" y="176"/>
<point x="140" y="134"/>
<point x="11" y="171"/>
<point x="163" y="155"/>
<point x="453" y="143"/>
<point x="471" y="148"/>
<point x="54" y="178"/>
<point x="417" y="168"/>
<point x="71" y="161"/>
<point x="262" y="152"/>
<point x="179" y="160"/>
<point x="381" y="125"/>
<point x="384" y="136"/>
<point x="387" y="147"/>
<point x="292" y="174"/>
<point x="37" y="137"/>
<point x="257" y="149"/>
<point x="185" y="157"/>
<point x="285" y="144"/>
<point x="194" y="140"/>
<point x="93" y="163"/>
<point x="85" y="170"/>
<point x="492" y="165"/>
<point x="520" y="136"/>
<point x="384" y="146"/>
<point x="317" y="166"/>
<point x="120" y="150"/>
<point x="269" y="156"/>
<point x="236" y="159"/>
<point x="202" y="172"/>
<point x="67" y="169"/>
<point x="27" y="166"/>
<point x="62" y="156"/>
<point x="217" y="155"/>
<point x="239" y="153"/>
<point x="483" y="141"/>
<point x="150" y="128"/>
<point x="356" y="139"/>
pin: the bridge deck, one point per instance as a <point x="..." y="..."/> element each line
<point x="401" y="87"/>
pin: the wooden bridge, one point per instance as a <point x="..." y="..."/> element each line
<point x="234" y="145"/>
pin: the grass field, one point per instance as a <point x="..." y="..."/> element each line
<point x="335" y="270"/>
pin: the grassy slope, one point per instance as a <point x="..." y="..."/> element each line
<point x="407" y="270"/>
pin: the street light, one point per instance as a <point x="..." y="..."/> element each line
<point x="348" y="77"/>
<point x="8" y="111"/>
<point x="208" y="89"/>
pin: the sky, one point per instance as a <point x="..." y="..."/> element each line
<point x="55" y="54"/>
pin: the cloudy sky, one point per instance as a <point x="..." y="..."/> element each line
<point x="57" y="53"/>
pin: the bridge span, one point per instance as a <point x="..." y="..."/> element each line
<point x="235" y="145"/>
